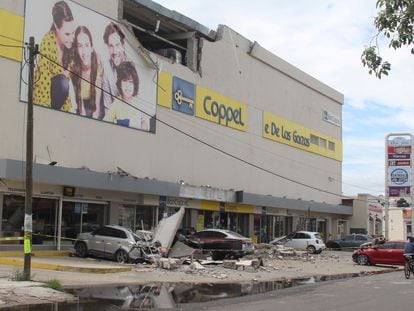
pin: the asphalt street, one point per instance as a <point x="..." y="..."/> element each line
<point x="381" y="292"/>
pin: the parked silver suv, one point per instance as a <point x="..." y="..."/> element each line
<point x="113" y="242"/>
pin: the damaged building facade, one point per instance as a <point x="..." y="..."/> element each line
<point x="218" y="124"/>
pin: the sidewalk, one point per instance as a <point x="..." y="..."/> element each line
<point x="62" y="261"/>
<point x="73" y="272"/>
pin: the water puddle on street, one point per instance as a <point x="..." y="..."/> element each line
<point x="163" y="296"/>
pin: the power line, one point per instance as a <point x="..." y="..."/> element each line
<point x="13" y="39"/>
<point x="356" y="186"/>
<point x="12" y="46"/>
<point x="203" y="142"/>
<point x="197" y="139"/>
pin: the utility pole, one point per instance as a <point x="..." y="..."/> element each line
<point x="28" y="224"/>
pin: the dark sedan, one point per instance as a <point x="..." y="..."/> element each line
<point x="390" y="253"/>
<point x="350" y="241"/>
<point x="221" y="243"/>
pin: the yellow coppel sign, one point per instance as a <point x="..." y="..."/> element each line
<point x="295" y="135"/>
<point x="164" y="90"/>
<point x="11" y="26"/>
<point x="220" y="109"/>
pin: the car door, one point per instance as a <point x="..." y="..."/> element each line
<point x="347" y="241"/>
<point x="381" y="254"/>
<point x="114" y="240"/>
<point x="204" y="239"/>
<point x="394" y="253"/>
<point x="299" y="241"/>
<point x="398" y="254"/>
<point x="97" y="241"/>
<point x="217" y="240"/>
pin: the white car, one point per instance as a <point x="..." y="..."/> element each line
<point x="306" y="240"/>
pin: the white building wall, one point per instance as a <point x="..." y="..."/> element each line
<point x="227" y="68"/>
<point x="396" y="225"/>
<point x="360" y="213"/>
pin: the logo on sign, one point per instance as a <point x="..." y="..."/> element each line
<point x="398" y="156"/>
<point x="399" y="191"/>
<point x="331" y="118"/>
<point x="399" y="141"/>
<point x="399" y="162"/>
<point x="399" y="176"/>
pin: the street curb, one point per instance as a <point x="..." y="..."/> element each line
<point x="49" y="253"/>
<point x="67" y="268"/>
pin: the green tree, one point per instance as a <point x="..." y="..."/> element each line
<point x="395" y="21"/>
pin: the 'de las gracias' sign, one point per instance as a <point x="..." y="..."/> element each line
<point x="295" y="135"/>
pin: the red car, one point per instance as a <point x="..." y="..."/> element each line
<point x="389" y="253"/>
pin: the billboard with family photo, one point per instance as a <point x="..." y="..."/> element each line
<point x="87" y="65"/>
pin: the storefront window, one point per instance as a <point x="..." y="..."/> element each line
<point x="236" y="222"/>
<point x="78" y="217"/>
<point x="44" y="217"/>
<point x="279" y="226"/>
<point x="312" y="224"/>
<point x="268" y="227"/>
<point x="167" y="211"/>
<point x="321" y="228"/>
<point x="257" y="227"/>
<point x="137" y="217"/>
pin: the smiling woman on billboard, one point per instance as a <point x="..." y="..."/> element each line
<point x="51" y="86"/>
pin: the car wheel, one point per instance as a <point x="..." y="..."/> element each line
<point x="311" y="249"/>
<point x="363" y="260"/>
<point x="121" y="256"/>
<point x="407" y="270"/>
<point x="81" y="249"/>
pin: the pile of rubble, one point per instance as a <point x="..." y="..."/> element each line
<point x="186" y="259"/>
<point x="182" y="258"/>
<point x="280" y="252"/>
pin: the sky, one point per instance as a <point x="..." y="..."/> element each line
<point x="325" y="38"/>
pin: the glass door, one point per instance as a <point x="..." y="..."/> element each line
<point x="78" y="217"/>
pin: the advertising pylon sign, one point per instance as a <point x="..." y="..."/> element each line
<point x="398" y="176"/>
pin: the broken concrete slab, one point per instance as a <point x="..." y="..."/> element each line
<point x="230" y="264"/>
<point x="287" y="253"/>
<point x="167" y="228"/>
<point x="180" y="250"/>
<point x="301" y="253"/>
<point x="168" y="263"/>
<point x="197" y="266"/>
<point x="211" y="262"/>
<point x="243" y="264"/>
<point x="255" y="263"/>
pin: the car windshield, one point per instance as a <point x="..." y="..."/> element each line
<point x="318" y="236"/>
